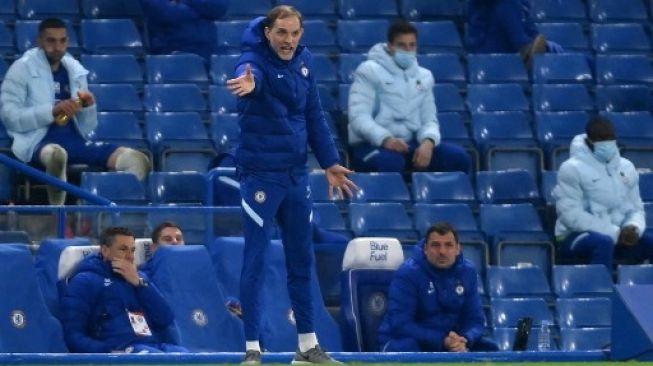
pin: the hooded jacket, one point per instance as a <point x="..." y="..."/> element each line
<point x="184" y="25"/>
<point x="596" y="196"/>
<point x="499" y="26"/>
<point x="27" y="99"/>
<point x="426" y="303"/>
<point x="95" y="304"/>
<point x="283" y="115"/>
<point x="387" y="101"/>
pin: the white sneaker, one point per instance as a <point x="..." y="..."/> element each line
<point x="56" y="166"/>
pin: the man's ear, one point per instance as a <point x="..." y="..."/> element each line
<point x="266" y="32"/>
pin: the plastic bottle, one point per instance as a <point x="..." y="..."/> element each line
<point x="61" y="119"/>
<point x="544" y="336"/>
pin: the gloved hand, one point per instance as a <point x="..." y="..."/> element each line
<point x="552" y="47"/>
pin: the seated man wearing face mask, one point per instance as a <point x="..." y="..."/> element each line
<point x="393" y="123"/>
<point x="600" y="211"/>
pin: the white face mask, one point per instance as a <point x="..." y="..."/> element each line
<point x="604" y="151"/>
<point x="404" y="59"/>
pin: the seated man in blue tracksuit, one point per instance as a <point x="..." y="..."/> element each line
<point x="434" y="305"/>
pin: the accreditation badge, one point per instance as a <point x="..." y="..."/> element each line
<point x="139" y="323"/>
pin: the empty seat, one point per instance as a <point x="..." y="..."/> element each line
<point x="179" y="68"/>
<point x="562" y="68"/>
<point x="27" y="34"/>
<point x="620" y="38"/>
<point x="442" y="187"/>
<point x="426" y="9"/>
<point x="15" y="236"/>
<point x="229" y="35"/>
<point x="223" y="68"/>
<point x="3" y="69"/>
<point x="119" y="187"/>
<point x="506" y="312"/>
<point x="519" y="217"/>
<point x="320" y="189"/>
<point x="553" y="10"/>
<point x="640" y="274"/>
<point x="496" y="68"/>
<point x="381" y="219"/>
<point x="323" y="9"/>
<point x="8" y="10"/>
<point x="103" y="9"/>
<point x="585" y="339"/>
<point x="623" y="98"/>
<point x="448" y="99"/>
<point x="380" y="187"/>
<point x="221" y="100"/>
<point x="173" y="98"/>
<point x="352" y="9"/>
<point x="248" y="9"/>
<point x="549" y="181"/>
<point x="319" y="36"/>
<point x="225" y="132"/>
<point x="445" y="67"/>
<point x="360" y="35"/>
<point x="324" y="68"/>
<point x="116" y="98"/>
<point x="571" y="36"/>
<point x="506" y="186"/>
<point x="348" y="62"/>
<point x="624" y="69"/>
<point x="42" y="9"/>
<point x="6" y="40"/>
<point x="177" y="188"/>
<point x="585" y="312"/>
<point x="453" y="129"/>
<point x="635" y="131"/>
<point x="496" y="97"/>
<point x="111" y="36"/>
<point x="438" y="36"/>
<point x="561" y="97"/>
<point x="608" y="11"/>
<point x="555" y="130"/>
<point x="517" y="282"/>
<point x="330" y="217"/>
<point x="121" y="128"/>
<point x="459" y="215"/>
<point x="591" y="280"/>
<point x="120" y="68"/>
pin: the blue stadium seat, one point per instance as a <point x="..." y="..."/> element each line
<point x="225" y="131"/>
<point x="561" y="97"/>
<point x="585" y="339"/>
<point x="495" y="219"/>
<point x="111" y="36"/>
<point x="623" y="98"/>
<point x="590" y="280"/>
<point x="173" y="98"/>
<point x="442" y="187"/>
<point x="117" y="98"/>
<point x="553" y="10"/>
<point x="278" y="331"/>
<point x="518" y="282"/>
<point x="188" y="188"/>
<point x="607" y="11"/>
<point x="113" y="69"/>
<point x="107" y="9"/>
<point x="330" y="217"/>
<point x="427" y="9"/>
<point x="3" y="69"/>
<point x="380" y="187"/>
<point x="121" y="128"/>
<point x="120" y="187"/>
<point x="555" y="130"/>
<point x="229" y="34"/>
<point x="496" y="68"/>
<point x="448" y="99"/>
<point x="357" y="9"/>
<point x="445" y="67"/>
<point x="571" y="36"/>
<point x="224" y="187"/>
<point x="178" y="68"/>
<point x="248" y="9"/>
<point x="500" y="187"/>
<point x="324" y="68"/>
<point x="6" y="40"/>
<point x="15" y="236"/>
<point x="438" y="36"/>
<point x="585" y="312"/>
<point x="505" y="338"/>
<point x="505" y="141"/>
<point x="42" y="9"/>
<point x="453" y="129"/>
<point x="8" y="10"/>
<point x="319" y="36"/>
<point x="620" y="38"/>
<point x="197" y="299"/>
<point x="360" y="35"/>
<point x="496" y="97"/>
<point x="328" y="97"/>
<point x="506" y="312"/>
<point x="221" y="100"/>
<point x="624" y="69"/>
<point x="635" y="131"/>
<point x="179" y="141"/>
<point x="313" y="9"/>
<point x="381" y="219"/>
<point x="320" y="189"/>
<point x="635" y="274"/>
<point x="28" y="327"/>
<point x="562" y="68"/>
<point x="223" y="68"/>
<point x="347" y="64"/>
<point x="27" y="33"/>
<point x="549" y="181"/>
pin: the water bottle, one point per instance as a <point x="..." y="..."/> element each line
<point x="61" y="119"/>
<point x="544" y="337"/>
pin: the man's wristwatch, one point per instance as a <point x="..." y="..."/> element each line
<point x="142" y="282"/>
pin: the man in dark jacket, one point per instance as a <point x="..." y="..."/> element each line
<point x="280" y="117"/>
<point x="434" y="305"/>
<point x="108" y="306"/>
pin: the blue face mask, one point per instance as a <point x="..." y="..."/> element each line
<point x="604" y="151"/>
<point x="404" y="59"/>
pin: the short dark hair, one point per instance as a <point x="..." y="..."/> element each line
<point x="109" y="234"/>
<point x="157" y="230"/>
<point x="398" y="27"/>
<point x="51" y="23"/>
<point x="441" y="228"/>
<point x="281" y="12"/>
<point x="600" y="127"/>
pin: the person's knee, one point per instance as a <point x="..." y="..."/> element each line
<point x="401" y="345"/>
<point x="52" y="152"/>
<point x="134" y="162"/>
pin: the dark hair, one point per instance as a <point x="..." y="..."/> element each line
<point x="442" y="228"/>
<point x="399" y="27"/>
<point x="109" y="234"/>
<point x="51" y="23"/>
<point x="599" y="127"/>
<point x="281" y="12"/>
<point x="157" y="230"/>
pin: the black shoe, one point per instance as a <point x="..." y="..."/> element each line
<point x="313" y="355"/>
<point x="252" y="357"/>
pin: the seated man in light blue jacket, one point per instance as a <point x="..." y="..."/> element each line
<point x="44" y="90"/>
<point x="393" y="123"/>
<point x="600" y="211"/>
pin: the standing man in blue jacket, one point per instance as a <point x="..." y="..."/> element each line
<point x="109" y="306"/>
<point x="393" y="122"/>
<point x="600" y="210"/>
<point x="434" y="305"/>
<point x="280" y="117"/>
<point x="183" y="25"/>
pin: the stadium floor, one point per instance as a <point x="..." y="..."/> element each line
<point x="560" y="358"/>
